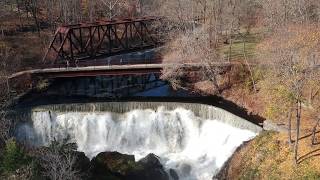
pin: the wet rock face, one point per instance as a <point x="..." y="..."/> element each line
<point x="117" y="166"/>
<point x="115" y="162"/>
<point x="152" y="168"/>
<point x="174" y="174"/>
<point x="83" y="163"/>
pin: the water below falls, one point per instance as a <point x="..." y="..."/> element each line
<point x="195" y="147"/>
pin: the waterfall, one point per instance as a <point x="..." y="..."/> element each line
<point x="201" y="110"/>
<point x="194" y="145"/>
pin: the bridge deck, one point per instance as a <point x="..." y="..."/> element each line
<point x="107" y="70"/>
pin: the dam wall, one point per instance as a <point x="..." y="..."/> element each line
<point x="200" y="110"/>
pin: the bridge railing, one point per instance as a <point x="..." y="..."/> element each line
<point x="104" y="62"/>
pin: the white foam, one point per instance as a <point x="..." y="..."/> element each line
<point x="196" y="148"/>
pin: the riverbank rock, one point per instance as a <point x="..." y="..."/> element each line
<point x="174" y="175"/>
<point x="83" y="163"/>
<point x="117" y="166"/>
<point x="112" y="165"/>
<point x="152" y="168"/>
<point x="268" y="125"/>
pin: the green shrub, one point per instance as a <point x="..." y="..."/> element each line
<point x="13" y="157"/>
<point x="254" y="78"/>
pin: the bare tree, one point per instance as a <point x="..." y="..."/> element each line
<point x="32" y="7"/>
<point x="283" y="12"/>
<point x="6" y="124"/>
<point x="293" y="59"/>
<point x="114" y="7"/>
<point x="59" y="161"/>
<point x="194" y="48"/>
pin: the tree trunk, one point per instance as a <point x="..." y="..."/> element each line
<point x="289" y="126"/>
<point x="210" y="33"/>
<point x="32" y="8"/>
<point x="298" y="118"/>
<point x="19" y="13"/>
<point x="34" y="14"/>
<point x="230" y="46"/>
<point x="8" y="84"/>
<point x="314" y="131"/>
<point x="247" y="63"/>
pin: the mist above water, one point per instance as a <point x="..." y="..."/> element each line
<point x="195" y="147"/>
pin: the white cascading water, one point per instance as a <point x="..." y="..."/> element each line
<point x="196" y="148"/>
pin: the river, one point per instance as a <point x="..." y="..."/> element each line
<point x="195" y="138"/>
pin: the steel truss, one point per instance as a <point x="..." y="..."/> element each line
<point x="87" y="41"/>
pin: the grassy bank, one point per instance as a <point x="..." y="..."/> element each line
<point x="269" y="156"/>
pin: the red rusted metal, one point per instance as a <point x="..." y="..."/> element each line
<point x="72" y="43"/>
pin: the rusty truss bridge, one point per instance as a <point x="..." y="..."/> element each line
<point x="73" y="45"/>
<point x="93" y="56"/>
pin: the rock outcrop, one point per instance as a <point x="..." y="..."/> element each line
<point x="117" y="166"/>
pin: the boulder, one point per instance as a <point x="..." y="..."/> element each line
<point x="151" y="161"/>
<point x="152" y="169"/>
<point x="83" y="162"/>
<point x="174" y="175"/>
<point x="114" y="165"/>
<point x="107" y="164"/>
